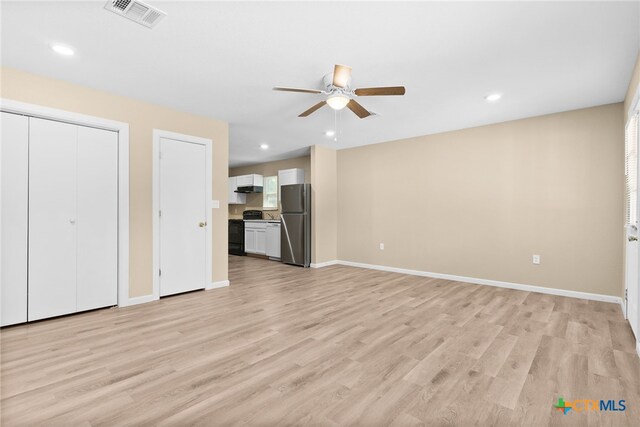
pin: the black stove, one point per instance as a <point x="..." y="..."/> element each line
<point x="236" y="231"/>
<point x="249" y="214"/>
<point x="236" y="237"/>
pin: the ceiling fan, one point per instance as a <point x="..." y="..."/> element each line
<point x="340" y="95"/>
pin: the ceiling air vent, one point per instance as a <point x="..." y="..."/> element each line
<point x="137" y="11"/>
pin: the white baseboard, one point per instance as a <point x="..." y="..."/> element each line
<point x="324" y="264"/>
<point x="137" y="300"/>
<point x="219" y="284"/>
<point x="500" y="284"/>
<point x="149" y="298"/>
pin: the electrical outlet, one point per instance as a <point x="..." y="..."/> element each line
<point x="536" y="259"/>
<point x="382" y="246"/>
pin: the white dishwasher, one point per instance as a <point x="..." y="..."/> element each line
<point x="273" y="240"/>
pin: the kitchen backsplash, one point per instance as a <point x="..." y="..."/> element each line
<point x="235" y="211"/>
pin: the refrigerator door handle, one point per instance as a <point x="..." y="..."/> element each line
<point x="286" y="232"/>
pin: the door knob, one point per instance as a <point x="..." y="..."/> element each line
<point x="633" y="239"/>
<point x="203" y="224"/>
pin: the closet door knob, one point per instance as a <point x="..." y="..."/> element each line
<point x="72" y="221"/>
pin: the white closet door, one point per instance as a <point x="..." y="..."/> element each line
<point x="14" y="154"/>
<point x="183" y="203"/>
<point x="52" y="218"/>
<point x="97" y="218"/>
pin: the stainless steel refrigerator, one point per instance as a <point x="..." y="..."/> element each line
<point x="295" y="233"/>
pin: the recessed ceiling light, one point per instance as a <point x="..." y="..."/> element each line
<point x="264" y="146"/>
<point x="330" y="133"/>
<point x="493" y="97"/>
<point x="62" y="49"/>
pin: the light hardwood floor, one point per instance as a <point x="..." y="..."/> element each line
<point x="334" y="346"/>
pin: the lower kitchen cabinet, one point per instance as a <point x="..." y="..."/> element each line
<point x="261" y="241"/>
<point x="262" y="238"/>
<point x="255" y="238"/>
<point x="273" y="240"/>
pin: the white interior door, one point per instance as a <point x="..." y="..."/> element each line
<point x="14" y="154"/>
<point x="183" y="207"/>
<point x="632" y="207"/>
<point x="52" y="218"/>
<point x="97" y="218"/>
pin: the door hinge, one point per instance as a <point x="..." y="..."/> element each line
<point x="159" y="272"/>
<point x="160" y="214"/>
<point x="626" y="294"/>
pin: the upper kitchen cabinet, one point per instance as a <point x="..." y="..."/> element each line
<point x="291" y="176"/>
<point x="235" y="198"/>
<point x="252" y="180"/>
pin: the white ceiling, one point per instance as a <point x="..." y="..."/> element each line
<point x="221" y="59"/>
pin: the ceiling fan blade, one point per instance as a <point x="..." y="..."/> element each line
<point x="341" y="75"/>
<point x="312" y="109"/>
<point x="358" y="109"/>
<point x="294" y="89"/>
<point x="376" y="91"/>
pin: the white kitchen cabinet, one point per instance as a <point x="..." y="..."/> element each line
<point x="15" y="160"/>
<point x="290" y="176"/>
<point x="235" y="198"/>
<point x="273" y="240"/>
<point x="261" y="241"/>
<point x="249" y="180"/>
<point x="249" y="240"/>
<point x="255" y="237"/>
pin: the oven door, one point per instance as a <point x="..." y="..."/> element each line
<point x="236" y="232"/>
<point x="236" y="237"/>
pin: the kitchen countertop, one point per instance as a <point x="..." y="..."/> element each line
<point x="263" y="220"/>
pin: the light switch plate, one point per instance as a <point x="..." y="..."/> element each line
<point x="536" y="259"/>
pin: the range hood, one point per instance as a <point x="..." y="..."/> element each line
<point x="249" y="189"/>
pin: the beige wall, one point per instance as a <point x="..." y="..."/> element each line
<point x="633" y="87"/>
<point x="324" y="207"/>
<point x="254" y="201"/>
<point x="480" y="202"/>
<point x="142" y="118"/>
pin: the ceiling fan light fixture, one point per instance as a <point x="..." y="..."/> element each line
<point x="338" y="101"/>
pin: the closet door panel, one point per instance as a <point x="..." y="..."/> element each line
<point x="52" y="218"/>
<point x="97" y="221"/>
<point x="14" y="155"/>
